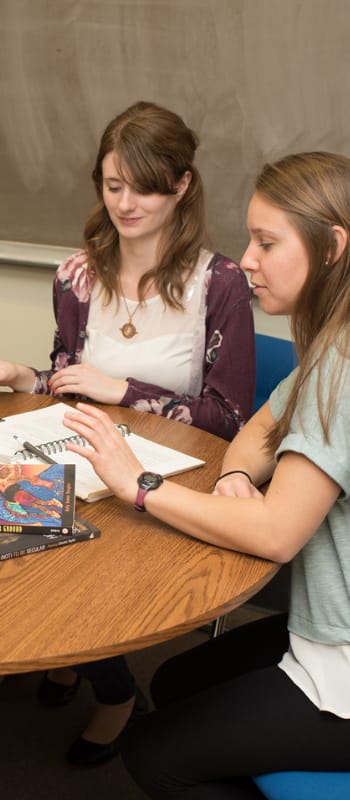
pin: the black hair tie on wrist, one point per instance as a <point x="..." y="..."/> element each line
<point x="233" y="472"/>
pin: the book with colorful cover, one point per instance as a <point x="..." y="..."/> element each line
<point x="37" y="498"/>
<point x="14" y="545"/>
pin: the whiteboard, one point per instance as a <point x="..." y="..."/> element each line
<point x="254" y="78"/>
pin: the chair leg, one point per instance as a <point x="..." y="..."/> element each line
<point x="218" y="626"/>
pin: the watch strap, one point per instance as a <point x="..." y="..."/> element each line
<point x="139" y="502"/>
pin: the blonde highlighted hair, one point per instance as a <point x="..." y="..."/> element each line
<point x="154" y="149"/>
<point x="313" y="189"/>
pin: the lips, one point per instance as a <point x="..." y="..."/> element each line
<point x="129" y="220"/>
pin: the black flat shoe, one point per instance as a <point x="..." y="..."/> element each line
<point x="53" y="694"/>
<point x="83" y="753"/>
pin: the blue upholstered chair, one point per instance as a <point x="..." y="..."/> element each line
<point x="275" y="359"/>
<point x="305" y="785"/>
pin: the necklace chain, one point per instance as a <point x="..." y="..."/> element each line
<point x="128" y="329"/>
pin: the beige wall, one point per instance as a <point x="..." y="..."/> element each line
<point x="26" y="316"/>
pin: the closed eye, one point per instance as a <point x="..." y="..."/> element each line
<point x="266" y="245"/>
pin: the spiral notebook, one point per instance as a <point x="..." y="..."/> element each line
<point x="45" y="430"/>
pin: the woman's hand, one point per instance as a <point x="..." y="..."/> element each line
<point x="237" y="485"/>
<point x="88" y="381"/>
<point x="111" y="457"/>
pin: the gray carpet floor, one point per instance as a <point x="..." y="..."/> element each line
<point x="33" y="739"/>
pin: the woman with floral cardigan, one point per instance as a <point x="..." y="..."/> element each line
<point x="146" y="317"/>
<point x="226" y="374"/>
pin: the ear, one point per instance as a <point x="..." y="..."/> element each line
<point x="183" y="184"/>
<point x="341" y="240"/>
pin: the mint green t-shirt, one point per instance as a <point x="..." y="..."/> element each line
<point x="320" y="588"/>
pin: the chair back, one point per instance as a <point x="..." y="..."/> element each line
<point x="275" y="359"/>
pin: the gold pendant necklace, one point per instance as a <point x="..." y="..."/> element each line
<point x="128" y="329"/>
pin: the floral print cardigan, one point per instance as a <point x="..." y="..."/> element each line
<point x="226" y="399"/>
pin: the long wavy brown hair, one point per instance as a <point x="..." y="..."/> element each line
<point x="154" y="148"/>
<point x="313" y="189"/>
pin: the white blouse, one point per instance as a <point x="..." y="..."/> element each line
<point x="322" y="672"/>
<point x="168" y="349"/>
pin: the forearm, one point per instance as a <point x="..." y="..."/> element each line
<point x="210" y="412"/>
<point x="20" y="378"/>
<point x="274" y="526"/>
<point x="230" y="522"/>
<point x="256" y="524"/>
<point x="247" y="451"/>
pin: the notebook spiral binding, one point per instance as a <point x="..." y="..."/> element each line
<point x="54" y="447"/>
<point x="59" y="445"/>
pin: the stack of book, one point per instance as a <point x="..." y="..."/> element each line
<point x="37" y="509"/>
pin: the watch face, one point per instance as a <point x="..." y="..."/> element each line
<point x="150" y="480"/>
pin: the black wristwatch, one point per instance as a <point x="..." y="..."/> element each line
<point x="146" y="481"/>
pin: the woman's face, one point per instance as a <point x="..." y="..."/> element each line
<point x="134" y="215"/>
<point x="276" y="258"/>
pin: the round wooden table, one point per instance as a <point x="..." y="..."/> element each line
<point x="140" y="583"/>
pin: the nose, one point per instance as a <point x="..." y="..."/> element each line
<point x="127" y="200"/>
<point x="249" y="260"/>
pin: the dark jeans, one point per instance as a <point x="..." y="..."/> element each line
<point x="226" y="712"/>
<point x="111" y="679"/>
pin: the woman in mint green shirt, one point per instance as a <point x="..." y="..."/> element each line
<point x="273" y="696"/>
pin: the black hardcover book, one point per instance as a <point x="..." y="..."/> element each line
<point x="14" y="545"/>
<point x="37" y="498"/>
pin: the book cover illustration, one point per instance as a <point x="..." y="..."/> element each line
<point x="14" y="545"/>
<point x="37" y="498"/>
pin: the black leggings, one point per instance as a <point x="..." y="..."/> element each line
<point x="226" y="712"/>
<point x="110" y="678"/>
